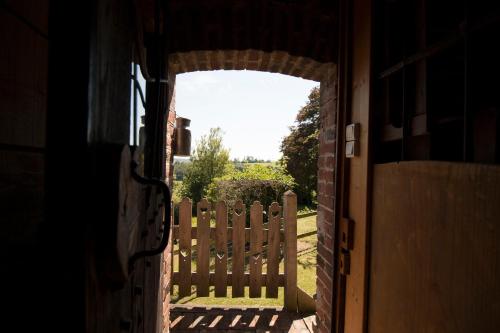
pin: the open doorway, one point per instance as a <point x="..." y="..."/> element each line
<point x="275" y="62"/>
<point x="321" y="256"/>
<point x="255" y="136"/>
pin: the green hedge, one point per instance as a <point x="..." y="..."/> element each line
<point x="247" y="190"/>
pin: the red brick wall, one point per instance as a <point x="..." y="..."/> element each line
<point x="326" y="200"/>
<point x="170" y="130"/>
<point x="166" y="260"/>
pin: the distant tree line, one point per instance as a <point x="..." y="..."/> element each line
<point x="250" y="159"/>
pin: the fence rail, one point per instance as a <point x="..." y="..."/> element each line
<point x="278" y="234"/>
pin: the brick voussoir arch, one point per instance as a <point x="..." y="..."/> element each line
<point x="256" y="60"/>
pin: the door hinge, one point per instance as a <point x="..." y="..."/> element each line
<point x="346" y="244"/>
<point x="345" y="263"/>
<point x="347" y="234"/>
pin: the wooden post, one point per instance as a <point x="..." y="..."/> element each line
<point x="255" y="249"/>
<point x="273" y="250"/>
<point x="290" y="217"/>
<point x="221" y="249"/>
<point x="203" y="247"/>
<point x="238" y="266"/>
<point x="185" y="247"/>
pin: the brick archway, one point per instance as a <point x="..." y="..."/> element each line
<point x="283" y="63"/>
<point x="256" y="60"/>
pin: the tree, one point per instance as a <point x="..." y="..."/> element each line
<point x="300" y="149"/>
<point x="209" y="160"/>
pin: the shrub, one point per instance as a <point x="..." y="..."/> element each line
<point x="263" y="183"/>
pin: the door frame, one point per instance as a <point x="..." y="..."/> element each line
<point x="353" y="174"/>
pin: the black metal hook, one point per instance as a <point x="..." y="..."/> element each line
<point x="166" y="223"/>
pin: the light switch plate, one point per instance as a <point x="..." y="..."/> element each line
<point x="351" y="149"/>
<point x="352" y="132"/>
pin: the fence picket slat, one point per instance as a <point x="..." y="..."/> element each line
<point x="290" y="217"/>
<point x="221" y="249"/>
<point x="185" y="208"/>
<point x="238" y="263"/>
<point x="255" y="249"/>
<point x="203" y="247"/>
<point x="273" y="250"/>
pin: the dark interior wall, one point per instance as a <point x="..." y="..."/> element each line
<point x="23" y="106"/>
<point x="436" y="80"/>
<point x="43" y="115"/>
<point x="24" y="51"/>
<point x="59" y="258"/>
<point x="64" y="112"/>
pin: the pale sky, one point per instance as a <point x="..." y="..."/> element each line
<point x="253" y="109"/>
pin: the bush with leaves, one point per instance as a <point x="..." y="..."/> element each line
<point x="264" y="183"/>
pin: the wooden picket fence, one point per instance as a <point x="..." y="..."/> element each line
<point x="236" y="238"/>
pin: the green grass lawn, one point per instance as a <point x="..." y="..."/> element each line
<point x="306" y="272"/>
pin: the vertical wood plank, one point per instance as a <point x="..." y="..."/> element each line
<point x="273" y="250"/>
<point x="358" y="177"/>
<point x="203" y="247"/>
<point x="221" y="249"/>
<point x="255" y="249"/>
<point x="290" y="217"/>
<point x="185" y="209"/>
<point x="238" y="265"/>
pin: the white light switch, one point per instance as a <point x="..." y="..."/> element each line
<point x="351" y="149"/>
<point x="352" y="132"/>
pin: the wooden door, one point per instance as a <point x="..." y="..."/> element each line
<point x="435" y="247"/>
<point x="354" y="171"/>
